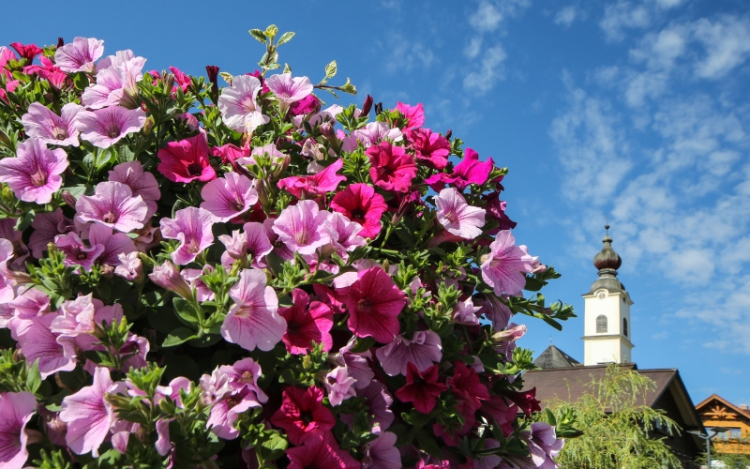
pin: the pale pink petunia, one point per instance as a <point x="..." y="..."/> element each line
<point x="140" y="182"/>
<point x="340" y="385"/>
<point x="77" y="316"/>
<point x="130" y="266"/>
<point x="379" y="400"/>
<point x="228" y="197"/>
<point x="40" y="122"/>
<point x="88" y="414"/>
<point x="239" y="105"/>
<point x="382" y="452"/>
<point x="114" y="206"/>
<point x="76" y="251"/>
<point x="16" y="409"/>
<point x="544" y="445"/>
<point x="357" y="363"/>
<point x="38" y="343"/>
<point x="466" y="313"/>
<point x="105" y="127"/>
<point x="34" y="175"/>
<point x="30" y="303"/>
<point x="167" y="276"/>
<point x="112" y="244"/>
<point x="254" y="320"/>
<point x="117" y="80"/>
<point x="424" y="349"/>
<point x="192" y="227"/>
<point x="251" y="241"/>
<point x="192" y="277"/>
<point x="46" y="227"/>
<point x="245" y="374"/>
<point x="371" y="134"/>
<point x="289" y="89"/>
<point x="344" y="234"/>
<point x="506" y="265"/>
<point x="457" y="217"/>
<point x="302" y="227"/>
<point x="496" y="311"/>
<point x="79" y="55"/>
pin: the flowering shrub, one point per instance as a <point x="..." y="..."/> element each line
<point x="201" y="276"/>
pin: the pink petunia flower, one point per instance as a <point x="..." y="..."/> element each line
<point x="225" y="412"/>
<point x="415" y="114"/>
<point x="88" y="414"/>
<point x="302" y="227"/>
<point x="40" y="122"/>
<point x="374" y="303"/>
<point x="371" y="134"/>
<point x="112" y="244"/>
<point x="391" y="168"/>
<point x="344" y="234"/>
<point x="38" y="342"/>
<point x="289" y="90"/>
<point x="466" y="313"/>
<point x="423" y="350"/>
<point x="192" y="227"/>
<point x="186" y="160"/>
<point x="340" y="385"/>
<point x="239" y="106"/>
<point x="252" y="241"/>
<point x="254" y="320"/>
<point x="139" y="181"/>
<point x="302" y="412"/>
<point x="27" y="51"/>
<point x="16" y="409"/>
<point x="79" y="55"/>
<point x="114" y="206"/>
<point x="245" y="374"/>
<point x="77" y="316"/>
<point x="360" y="203"/>
<point x="457" y="217"/>
<point x="46" y="227"/>
<point x="167" y="276"/>
<point x="20" y="251"/>
<point x="421" y="389"/>
<point x="496" y="210"/>
<point x="192" y="277"/>
<point x="432" y="149"/>
<point x="34" y="174"/>
<point x="229" y="196"/>
<point x="117" y="80"/>
<point x="469" y="171"/>
<point x="77" y="252"/>
<point x="320" y="450"/>
<point x="305" y="187"/>
<point x="105" y="127"/>
<point x="544" y="445"/>
<point x="130" y="266"/>
<point x="307" y="322"/>
<point x="379" y="400"/>
<point x="382" y="452"/>
<point x="504" y="268"/>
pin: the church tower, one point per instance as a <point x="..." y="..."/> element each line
<point x="607" y="312"/>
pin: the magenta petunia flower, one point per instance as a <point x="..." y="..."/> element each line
<point x="415" y="114"/>
<point x="305" y="187"/>
<point x="432" y="149"/>
<point x="79" y="55"/>
<point x="112" y="244"/>
<point x="77" y="252"/>
<point x="40" y="122"/>
<point x="34" y="174"/>
<point x="114" y="206"/>
<point x="302" y="412"/>
<point x="16" y="409"/>
<point x="374" y="303"/>
<point x="27" y="51"/>
<point x="88" y="414"/>
<point x="457" y="217"/>
<point x="254" y="320"/>
<point x="421" y="389"/>
<point x="469" y="171"/>
<point x="186" y="160"/>
<point x="192" y="227"/>
<point x="46" y="227"/>
<point x="302" y="227"/>
<point x="360" y="203"/>
<point x="239" y="106"/>
<point x="38" y="342"/>
<point x="505" y="267"/>
<point x="117" y="80"/>
<point x="229" y="196"/>
<point x="105" y="127"/>
<point x="391" y="169"/>
<point x="307" y="322"/>
<point x="320" y="450"/>
<point x="252" y="241"/>
<point x="140" y="182"/>
<point x="423" y="350"/>
<point x="289" y="90"/>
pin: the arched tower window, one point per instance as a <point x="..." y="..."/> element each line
<point x="625" y="327"/>
<point x="601" y="324"/>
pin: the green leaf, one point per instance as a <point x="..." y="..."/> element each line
<point x="331" y="69"/>
<point x="33" y="378"/>
<point x="81" y="81"/>
<point x="428" y="444"/>
<point x="227" y="77"/>
<point x="272" y="31"/>
<point x="363" y="345"/>
<point x="186" y="311"/>
<point x="552" y="322"/>
<point x="179" y="336"/>
<point x="25" y="220"/>
<point x="286" y="37"/>
<point x="259" y="35"/>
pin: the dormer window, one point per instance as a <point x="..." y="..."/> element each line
<point x="601" y="324"/>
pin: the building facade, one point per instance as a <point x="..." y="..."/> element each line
<point x="729" y="423"/>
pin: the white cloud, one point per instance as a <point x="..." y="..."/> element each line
<point x="623" y="15"/>
<point x="487" y="18"/>
<point x="667" y="4"/>
<point x="405" y="55"/>
<point x="474" y="47"/>
<point x="566" y="16"/>
<point x="490" y="71"/>
<point x="727" y="44"/>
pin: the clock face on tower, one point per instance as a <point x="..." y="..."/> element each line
<point x="601" y="295"/>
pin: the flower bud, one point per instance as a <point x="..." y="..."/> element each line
<point x="167" y="276"/>
<point x="213" y="73"/>
<point x="4" y="139"/>
<point x="60" y="42"/>
<point x="148" y="126"/>
<point x="378" y="108"/>
<point x="367" y="106"/>
<point x="448" y="134"/>
<point x="69" y="199"/>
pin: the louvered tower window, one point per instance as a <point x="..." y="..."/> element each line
<point x="601" y="324"/>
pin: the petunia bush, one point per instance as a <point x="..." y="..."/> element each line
<point x="197" y="275"/>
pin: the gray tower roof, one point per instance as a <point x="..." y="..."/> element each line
<point x="553" y="357"/>
<point x="607" y="261"/>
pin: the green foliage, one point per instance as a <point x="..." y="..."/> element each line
<point x="616" y="429"/>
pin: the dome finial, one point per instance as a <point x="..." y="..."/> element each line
<point x="607" y="260"/>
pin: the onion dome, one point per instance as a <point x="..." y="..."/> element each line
<point x="607" y="262"/>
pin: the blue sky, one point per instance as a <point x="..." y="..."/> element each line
<point x="632" y="110"/>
